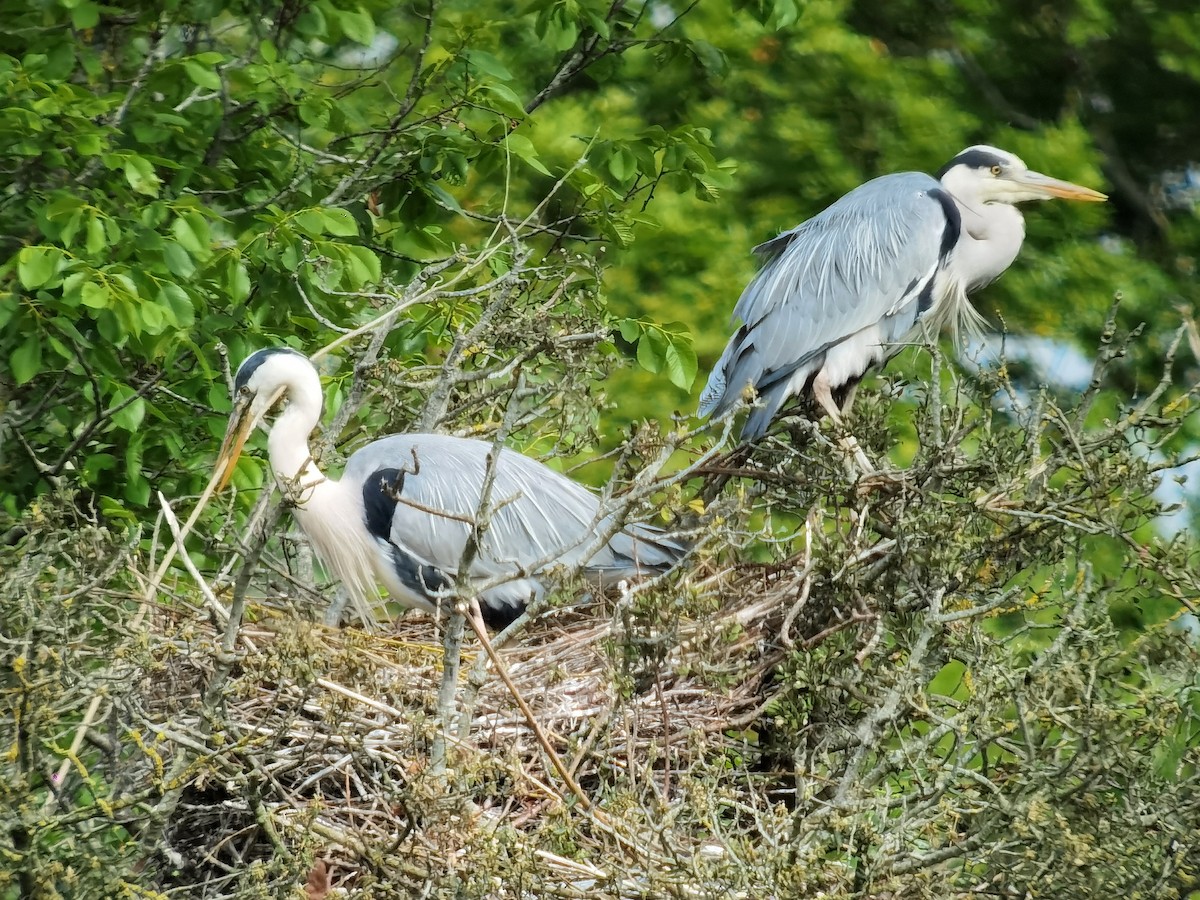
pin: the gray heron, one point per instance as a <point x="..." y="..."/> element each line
<point x="844" y="291"/>
<point x="406" y="505"/>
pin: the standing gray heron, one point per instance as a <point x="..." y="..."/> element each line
<point x="406" y="505"/>
<point x="845" y="290"/>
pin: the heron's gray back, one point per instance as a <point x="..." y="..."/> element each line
<point x="863" y="261"/>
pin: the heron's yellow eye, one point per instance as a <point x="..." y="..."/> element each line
<point x="996" y="170"/>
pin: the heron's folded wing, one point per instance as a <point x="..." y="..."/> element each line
<point x="864" y="259"/>
<point x="536" y="513"/>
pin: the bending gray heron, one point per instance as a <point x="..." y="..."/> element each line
<point x="844" y="291"/>
<point x="406" y="505"/>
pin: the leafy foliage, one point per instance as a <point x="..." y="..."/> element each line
<point x="200" y="178"/>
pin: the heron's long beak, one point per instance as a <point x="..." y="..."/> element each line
<point x="1045" y="187"/>
<point x="241" y="423"/>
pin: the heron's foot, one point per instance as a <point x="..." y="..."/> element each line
<point x="801" y="429"/>
<point x="870" y="478"/>
<point x="337" y="606"/>
<point x="886" y="481"/>
<point x="857" y="456"/>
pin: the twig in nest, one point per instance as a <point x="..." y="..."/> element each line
<point x="476" y="621"/>
<point x="806" y="576"/>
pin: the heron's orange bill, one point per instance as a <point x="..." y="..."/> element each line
<point x="1053" y="187"/>
<point x="240" y="425"/>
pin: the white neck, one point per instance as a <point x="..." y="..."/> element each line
<point x="287" y="443"/>
<point x="992" y="234"/>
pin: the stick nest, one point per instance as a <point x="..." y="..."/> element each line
<point x="322" y="775"/>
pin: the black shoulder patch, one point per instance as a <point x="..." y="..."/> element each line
<point x="380" y="492"/>
<point x="247" y="369"/>
<point x="972" y="159"/>
<point x="499" y="616"/>
<point x="953" y="229"/>
<point x="420" y="578"/>
<point x="925" y="298"/>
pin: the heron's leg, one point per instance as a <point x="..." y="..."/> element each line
<point x="447" y="698"/>
<point x="851" y="390"/>
<point x="824" y="397"/>
<point x="333" y="612"/>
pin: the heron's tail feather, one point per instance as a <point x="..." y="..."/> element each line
<point x="638" y="550"/>
<point x="765" y="410"/>
<point x="713" y="395"/>
<point x="738" y="367"/>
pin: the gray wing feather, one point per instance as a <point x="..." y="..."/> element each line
<point x="861" y="261"/>
<point x="537" y="513"/>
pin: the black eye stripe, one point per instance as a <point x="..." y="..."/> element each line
<point x="247" y="369"/>
<point x="972" y="159"/>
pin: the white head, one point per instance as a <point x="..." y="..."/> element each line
<point x="263" y="380"/>
<point x="983" y="174"/>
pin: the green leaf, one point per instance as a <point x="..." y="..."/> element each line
<point x="622" y="164"/>
<point x="67" y="328"/>
<point x="95" y="295"/>
<point x="237" y="280"/>
<point x="357" y="25"/>
<point x="441" y="197"/>
<point x="60" y="349"/>
<point x="95" y="235"/>
<point x="562" y="37"/>
<point x="89" y="145"/>
<point x="314" y="110"/>
<point x="123" y="281"/>
<point x="292" y="252"/>
<point x="178" y="260"/>
<point x="488" y="64"/>
<point x="202" y="75"/>
<point x="191" y="231"/>
<point x="66" y="234"/>
<point x="9" y="304"/>
<point x="130" y="417"/>
<point x="597" y="21"/>
<point x="37" y="265"/>
<point x="137" y="490"/>
<point x="340" y="222"/>
<point x="312" y="221"/>
<point x="141" y="177"/>
<point x="110" y="329"/>
<point x="652" y="350"/>
<point x="631" y="330"/>
<point x="95" y="464"/>
<point x="153" y="317"/>
<point x="112" y="510"/>
<point x="949" y="680"/>
<point x="85" y="15"/>
<point x="362" y="265"/>
<point x="505" y="101"/>
<point x="26" y="360"/>
<point x="63" y="208"/>
<point x="523" y="148"/>
<point x="176" y="299"/>
<point x="680" y="360"/>
<point x="500" y="263"/>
